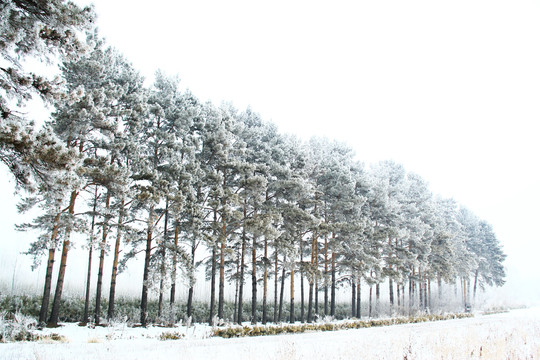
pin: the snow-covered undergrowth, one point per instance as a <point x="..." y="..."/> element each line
<point x="512" y="335"/>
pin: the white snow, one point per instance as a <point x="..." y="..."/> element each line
<point x="513" y="335"/>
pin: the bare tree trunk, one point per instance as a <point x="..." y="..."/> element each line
<point x="358" y="296"/>
<point x="221" y="298"/>
<point x="146" y="271"/>
<point x="237" y="285"/>
<point x="398" y="289"/>
<point x="172" y="297"/>
<point x="291" y="311"/>
<point x="53" y="320"/>
<point x="326" y="275"/>
<point x="353" y="301"/>
<point x="163" y="254"/>
<point x="282" y="288"/>
<point x="391" y="291"/>
<point x="333" y="290"/>
<point x="192" y="279"/>
<point x="47" y="288"/>
<point x="302" y="290"/>
<point x="276" y="285"/>
<point x="114" y="272"/>
<point x="48" y="274"/>
<point x="213" y="286"/>
<point x="265" y="282"/>
<point x="89" y="269"/>
<point x="254" y="281"/>
<point x="103" y="245"/>
<point x="242" y="264"/>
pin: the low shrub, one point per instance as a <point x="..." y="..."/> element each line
<point x="240" y="331"/>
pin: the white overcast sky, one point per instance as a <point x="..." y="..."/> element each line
<point x="450" y="89"/>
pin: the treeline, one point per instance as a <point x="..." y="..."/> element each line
<point x="156" y="173"/>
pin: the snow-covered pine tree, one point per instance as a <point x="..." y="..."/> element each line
<point x="34" y="30"/>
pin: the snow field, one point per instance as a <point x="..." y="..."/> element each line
<point x="513" y="335"/>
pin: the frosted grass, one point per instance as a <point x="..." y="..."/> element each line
<point x="513" y="335"/>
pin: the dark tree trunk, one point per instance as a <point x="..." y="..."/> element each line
<point x="86" y="316"/>
<point x="48" y="274"/>
<point x="333" y="292"/>
<point x="302" y="290"/>
<point x="172" y="297"/>
<point x="265" y="282"/>
<point x="114" y="273"/>
<point x="358" y="302"/>
<point x="213" y="286"/>
<point x="47" y="288"/>
<point x="237" y="285"/>
<point x="276" y="285"/>
<point x="254" y="281"/>
<point x="241" y="285"/>
<point x="163" y="254"/>
<point x="291" y="310"/>
<point x="53" y="320"/>
<point x="282" y="290"/>
<point x="191" y="280"/>
<point x="103" y="245"/>
<point x="377" y="299"/>
<point x="221" y="299"/>
<point x="146" y="271"/>
<point x="353" y="301"/>
<point x="325" y="275"/>
<point x="391" y="291"/>
<point x="310" y="303"/>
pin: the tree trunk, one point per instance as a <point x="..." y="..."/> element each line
<point x="146" y="271"/>
<point x="291" y="310"/>
<point x="213" y="286"/>
<point x="221" y="299"/>
<point x="275" y="284"/>
<point x="103" y="245"/>
<point x="265" y="281"/>
<point x="237" y="285"/>
<point x="302" y="290"/>
<point x="398" y="290"/>
<point x="326" y="275"/>
<point x="90" y="254"/>
<point x="114" y="272"/>
<point x="358" y="302"/>
<point x="53" y="320"/>
<point x="163" y="254"/>
<point x="377" y="299"/>
<point x="282" y="289"/>
<point x="48" y="274"/>
<point x="172" y="297"/>
<point x="192" y="279"/>
<point x="254" y="281"/>
<point x="391" y="291"/>
<point x="242" y="264"/>
<point x="353" y="301"/>
<point x="333" y="292"/>
<point x="47" y="288"/>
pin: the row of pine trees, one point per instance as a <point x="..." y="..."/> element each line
<point x="185" y="186"/>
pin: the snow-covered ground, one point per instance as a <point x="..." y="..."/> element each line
<point x="513" y="335"/>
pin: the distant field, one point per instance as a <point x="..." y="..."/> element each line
<point x="512" y="335"/>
